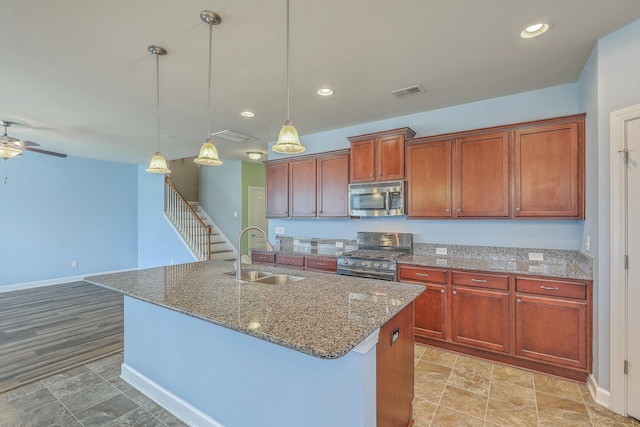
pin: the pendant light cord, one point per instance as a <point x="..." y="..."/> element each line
<point x="209" y="86"/>
<point x="158" y="100"/>
<point x="288" y="70"/>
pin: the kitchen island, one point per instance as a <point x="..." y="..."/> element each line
<point x="218" y="352"/>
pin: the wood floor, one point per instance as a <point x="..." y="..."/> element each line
<point x="52" y="328"/>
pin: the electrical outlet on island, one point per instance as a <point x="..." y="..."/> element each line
<point x="536" y="256"/>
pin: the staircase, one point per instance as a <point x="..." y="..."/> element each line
<point x="220" y="247"/>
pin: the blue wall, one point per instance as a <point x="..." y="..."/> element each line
<point x="539" y="104"/>
<point x="55" y="211"/>
<point x="158" y="242"/>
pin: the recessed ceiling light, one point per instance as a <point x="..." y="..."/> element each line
<point x="325" y="91"/>
<point x="248" y="114"/>
<point x="534" y="30"/>
<point x="254" y="155"/>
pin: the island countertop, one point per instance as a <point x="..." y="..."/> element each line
<point x="324" y="315"/>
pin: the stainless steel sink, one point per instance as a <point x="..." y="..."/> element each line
<point x="250" y="275"/>
<point x="278" y="279"/>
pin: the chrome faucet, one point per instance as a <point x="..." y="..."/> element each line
<point x="239" y="257"/>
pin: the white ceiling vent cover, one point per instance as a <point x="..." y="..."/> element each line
<point x="234" y="136"/>
<point x="408" y="91"/>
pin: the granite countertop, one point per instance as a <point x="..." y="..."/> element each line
<point x="307" y="251"/>
<point x="323" y="315"/>
<point x="565" y="270"/>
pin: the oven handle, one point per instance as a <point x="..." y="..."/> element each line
<point x="388" y="202"/>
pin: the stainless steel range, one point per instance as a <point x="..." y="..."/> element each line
<point x="376" y="255"/>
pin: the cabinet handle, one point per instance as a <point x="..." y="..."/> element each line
<point x="447" y="210"/>
<point x="479" y="280"/>
<point x="548" y="288"/>
<point x="370" y="174"/>
<point x="519" y="301"/>
<point x="459" y="210"/>
<point x="442" y="291"/>
<point x="517" y="209"/>
<point x="455" y="293"/>
<point x="422" y="274"/>
<point x="380" y="174"/>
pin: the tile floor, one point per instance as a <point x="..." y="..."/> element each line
<point x="91" y="395"/>
<point x="450" y="390"/>
<point x="457" y="390"/>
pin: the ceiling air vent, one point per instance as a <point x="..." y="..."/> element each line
<point x="234" y="136"/>
<point x="407" y="91"/>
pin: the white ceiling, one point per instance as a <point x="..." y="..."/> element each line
<point x="77" y="77"/>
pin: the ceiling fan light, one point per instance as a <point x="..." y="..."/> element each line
<point x="158" y="164"/>
<point x="7" y="152"/>
<point x="208" y="154"/>
<point x="288" y="140"/>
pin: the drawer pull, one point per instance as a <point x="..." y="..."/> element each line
<point x="519" y="301"/>
<point x="322" y="264"/>
<point x="422" y="274"/>
<point x="548" y="288"/>
<point x="479" y="280"/>
<point x="442" y="291"/>
<point x="455" y="293"/>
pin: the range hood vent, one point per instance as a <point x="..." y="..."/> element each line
<point x="408" y="91"/>
<point x="234" y="136"/>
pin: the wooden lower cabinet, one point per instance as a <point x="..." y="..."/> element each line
<point x="539" y="323"/>
<point x="394" y="370"/>
<point x="480" y="318"/>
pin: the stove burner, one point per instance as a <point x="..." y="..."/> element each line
<point x="376" y="255"/>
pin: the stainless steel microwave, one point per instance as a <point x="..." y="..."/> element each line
<point x="376" y="198"/>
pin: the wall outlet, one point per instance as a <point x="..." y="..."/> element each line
<point x="235" y="214"/>
<point x="279" y="230"/>
<point x="441" y="251"/>
<point x="587" y="243"/>
<point x="536" y="256"/>
<point x="339" y="244"/>
<point x="74" y="264"/>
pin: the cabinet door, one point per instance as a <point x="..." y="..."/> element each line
<point x="552" y="330"/>
<point x="429" y="179"/>
<point x="302" y="188"/>
<point x="277" y="190"/>
<point x="363" y="160"/>
<point x="333" y="184"/>
<point x="430" y="312"/>
<point x="548" y="171"/>
<point x="390" y="158"/>
<point x="482" y="184"/>
<point x="481" y="318"/>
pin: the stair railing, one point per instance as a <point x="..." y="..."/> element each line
<point x="193" y="230"/>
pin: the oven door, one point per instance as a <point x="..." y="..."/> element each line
<point x="370" y="274"/>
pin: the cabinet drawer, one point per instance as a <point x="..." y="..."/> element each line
<point x="263" y="257"/>
<point x="489" y="281"/>
<point x="551" y="288"/>
<point x="421" y="274"/>
<point x="323" y="264"/>
<point x="292" y="260"/>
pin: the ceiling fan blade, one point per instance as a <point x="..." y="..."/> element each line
<point x="51" y="153"/>
<point x="31" y="144"/>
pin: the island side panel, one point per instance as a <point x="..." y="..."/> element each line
<point x="238" y="380"/>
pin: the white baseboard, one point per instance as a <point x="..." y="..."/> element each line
<point x="57" y="281"/>
<point x="599" y="394"/>
<point x="179" y="408"/>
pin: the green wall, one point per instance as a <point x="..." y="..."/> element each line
<point x="252" y="175"/>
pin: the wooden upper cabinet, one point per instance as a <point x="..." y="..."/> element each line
<point x="482" y="175"/>
<point x="549" y="169"/>
<point x="302" y="188"/>
<point x="379" y="156"/>
<point x="333" y="185"/>
<point x="429" y="179"/>
<point x="277" y="190"/>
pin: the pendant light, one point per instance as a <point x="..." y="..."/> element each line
<point x="158" y="163"/>
<point x="288" y="140"/>
<point x="208" y="153"/>
<point x="9" y="146"/>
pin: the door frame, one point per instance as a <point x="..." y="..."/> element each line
<point x="249" y="205"/>
<point x="618" y="276"/>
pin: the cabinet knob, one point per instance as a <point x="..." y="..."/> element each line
<point x="370" y="174"/>
<point x="447" y="210"/>
<point x="442" y="291"/>
<point x="459" y="210"/>
<point x="517" y="209"/>
<point x="519" y="301"/>
<point x="455" y="293"/>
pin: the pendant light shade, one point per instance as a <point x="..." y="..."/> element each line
<point x="288" y="140"/>
<point x="158" y="164"/>
<point x="9" y="146"/>
<point x="208" y="153"/>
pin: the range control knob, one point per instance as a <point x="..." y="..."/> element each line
<point x="376" y="265"/>
<point x="345" y="261"/>
<point x="384" y="265"/>
<point x="364" y="264"/>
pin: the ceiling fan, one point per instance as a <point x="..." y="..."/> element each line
<point x="11" y="147"/>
